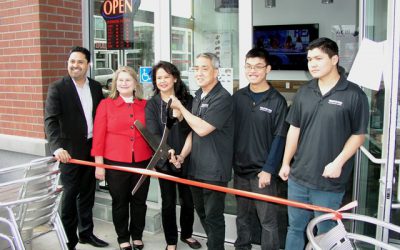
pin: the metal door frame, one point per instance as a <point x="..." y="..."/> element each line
<point x="391" y="79"/>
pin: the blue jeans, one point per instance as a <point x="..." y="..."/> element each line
<point x="299" y="218"/>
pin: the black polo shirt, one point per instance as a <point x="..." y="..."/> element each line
<point x="326" y="123"/>
<point x="256" y="125"/>
<point x="211" y="155"/>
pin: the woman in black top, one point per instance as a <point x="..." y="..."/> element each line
<point x="167" y="81"/>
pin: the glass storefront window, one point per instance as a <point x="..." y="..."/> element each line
<point x="99" y="28"/>
<point x="370" y="173"/>
<point x="395" y="213"/>
<point x="201" y="26"/>
<point x="139" y="53"/>
<point x="181" y="46"/>
<point x="204" y="27"/>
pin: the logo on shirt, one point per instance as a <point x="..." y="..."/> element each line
<point x="204" y="105"/>
<point x="264" y="109"/>
<point x="335" y="102"/>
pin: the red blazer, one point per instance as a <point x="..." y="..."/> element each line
<point x="115" y="136"/>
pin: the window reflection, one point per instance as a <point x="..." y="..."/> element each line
<point x="202" y="26"/>
<point x="106" y="61"/>
<point x="377" y="100"/>
<point x="142" y="52"/>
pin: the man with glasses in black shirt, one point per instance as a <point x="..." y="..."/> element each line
<point x="260" y="130"/>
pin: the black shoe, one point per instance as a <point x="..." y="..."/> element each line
<point x="92" y="240"/>
<point x="125" y="248"/>
<point x="194" y="245"/>
<point x="137" y="247"/>
<point x="71" y="246"/>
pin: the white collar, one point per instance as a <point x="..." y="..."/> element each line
<point x="127" y="99"/>
<point x="84" y="85"/>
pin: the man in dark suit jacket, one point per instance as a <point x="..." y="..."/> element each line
<point x="69" y="113"/>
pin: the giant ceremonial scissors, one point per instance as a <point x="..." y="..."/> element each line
<point x="160" y="147"/>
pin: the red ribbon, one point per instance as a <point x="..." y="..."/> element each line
<point x="261" y="197"/>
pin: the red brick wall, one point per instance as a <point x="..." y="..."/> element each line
<point x="35" y="37"/>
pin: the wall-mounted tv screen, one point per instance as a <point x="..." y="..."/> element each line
<point x="286" y="44"/>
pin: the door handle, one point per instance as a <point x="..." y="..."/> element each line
<point x="383" y="161"/>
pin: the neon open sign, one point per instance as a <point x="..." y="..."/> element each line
<point x="118" y="15"/>
<point x="116" y="9"/>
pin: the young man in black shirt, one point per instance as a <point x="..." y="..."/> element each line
<point x="328" y="122"/>
<point x="260" y="131"/>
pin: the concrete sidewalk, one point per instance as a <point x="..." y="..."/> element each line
<point x="8" y="158"/>
<point x="105" y="231"/>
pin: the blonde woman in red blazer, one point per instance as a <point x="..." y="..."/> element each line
<point x="116" y="141"/>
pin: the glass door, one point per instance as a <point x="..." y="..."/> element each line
<point x="122" y="34"/>
<point x="199" y="26"/>
<point x="375" y="181"/>
<point x="369" y="166"/>
<point x="121" y="39"/>
<point x="392" y="209"/>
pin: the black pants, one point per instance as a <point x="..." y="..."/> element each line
<point x="77" y="200"/>
<point x="210" y="207"/>
<point x="266" y="213"/>
<point x="168" y="212"/>
<point x="129" y="212"/>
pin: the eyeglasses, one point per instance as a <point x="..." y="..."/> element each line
<point x="255" y="67"/>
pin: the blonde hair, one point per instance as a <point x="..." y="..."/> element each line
<point x="137" y="91"/>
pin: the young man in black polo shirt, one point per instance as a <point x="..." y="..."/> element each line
<point x="328" y="122"/>
<point x="260" y="131"/>
<point x="210" y="144"/>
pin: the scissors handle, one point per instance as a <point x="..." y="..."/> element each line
<point x="170" y="118"/>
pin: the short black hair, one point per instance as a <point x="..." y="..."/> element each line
<point x="82" y="50"/>
<point x="325" y="44"/>
<point x="258" y="52"/>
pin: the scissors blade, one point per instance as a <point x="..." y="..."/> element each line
<point x="161" y="153"/>
<point x="139" y="184"/>
<point x="151" y="165"/>
<point x="151" y="139"/>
